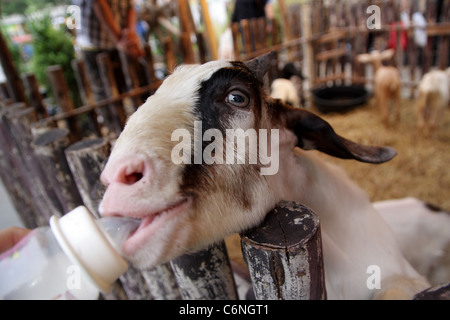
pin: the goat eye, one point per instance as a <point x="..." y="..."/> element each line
<point x="237" y="99"/>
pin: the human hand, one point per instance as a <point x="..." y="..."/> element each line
<point x="10" y="236"/>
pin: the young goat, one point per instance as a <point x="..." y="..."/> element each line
<point x="283" y="88"/>
<point x="432" y="101"/>
<point x="186" y="203"/>
<point x="387" y="83"/>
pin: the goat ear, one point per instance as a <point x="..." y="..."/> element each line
<point x="315" y="133"/>
<point x="260" y="65"/>
<point x="364" y="58"/>
<point x="387" y="54"/>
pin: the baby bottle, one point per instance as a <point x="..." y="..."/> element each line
<point x="74" y="258"/>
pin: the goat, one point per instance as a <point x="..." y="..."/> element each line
<point x="186" y="205"/>
<point x="283" y="88"/>
<point x="423" y="233"/>
<point x="433" y="98"/>
<point x="387" y="83"/>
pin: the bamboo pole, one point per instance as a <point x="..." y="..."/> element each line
<point x="212" y="42"/>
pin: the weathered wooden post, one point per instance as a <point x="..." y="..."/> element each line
<point x="14" y="83"/>
<point x="162" y="283"/>
<point x="116" y="111"/>
<point x="169" y="55"/>
<point x="45" y="201"/>
<point x="62" y="95"/>
<point x="49" y="149"/>
<point x="211" y="39"/>
<point x="206" y="274"/>
<point x="437" y="292"/>
<point x="86" y="159"/>
<point x="284" y="255"/>
<point x="36" y="99"/>
<point x="87" y="96"/>
<point x="10" y="170"/>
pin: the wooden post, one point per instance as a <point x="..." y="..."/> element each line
<point x="4" y="92"/>
<point x="202" y="52"/>
<point x="36" y="99"/>
<point x="14" y="82"/>
<point x="169" y="56"/>
<point x="63" y="99"/>
<point x="60" y="88"/>
<point x="211" y="38"/>
<point x="245" y="25"/>
<point x="186" y="31"/>
<point x="86" y="93"/>
<point x="44" y="199"/>
<point x="10" y="171"/>
<point x="86" y="160"/>
<point x="82" y="81"/>
<point x="284" y="255"/>
<point x="236" y="37"/>
<point x="162" y="283"/>
<point x="308" y="47"/>
<point x="285" y="21"/>
<point x="150" y="61"/>
<point x="438" y="292"/>
<point x="205" y="274"/>
<point x="49" y="149"/>
<point x="116" y="110"/>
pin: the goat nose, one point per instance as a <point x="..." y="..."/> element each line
<point x="126" y="171"/>
<point x="130" y="175"/>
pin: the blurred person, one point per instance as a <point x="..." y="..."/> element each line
<point x="107" y="26"/>
<point x="247" y="9"/>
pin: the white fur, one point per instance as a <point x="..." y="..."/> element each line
<point x="354" y="234"/>
<point x="433" y="98"/>
<point x="387" y="84"/>
<point x="423" y="236"/>
<point x="285" y="90"/>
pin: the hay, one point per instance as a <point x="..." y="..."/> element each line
<point x="420" y="168"/>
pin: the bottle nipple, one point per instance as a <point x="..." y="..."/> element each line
<point x="117" y="230"/>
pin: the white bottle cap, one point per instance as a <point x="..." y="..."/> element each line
<point x="84" y="243"/>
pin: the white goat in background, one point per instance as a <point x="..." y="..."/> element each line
<point x="387" y="84"/>
<point x="186" y="206"/>
<point x="433" y="99"/>
<point x="284" y="88"/>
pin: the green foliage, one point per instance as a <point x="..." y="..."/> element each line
<point x="20" y="6"/>
<point x="52" y="47"/>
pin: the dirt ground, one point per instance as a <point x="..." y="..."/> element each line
<point x="419" y="170"/>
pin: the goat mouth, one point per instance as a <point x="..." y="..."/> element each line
<point x="152" y="222"/>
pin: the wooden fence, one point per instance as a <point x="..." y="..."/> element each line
<point x="324" y="37"/>
<point x="50" y="165"/>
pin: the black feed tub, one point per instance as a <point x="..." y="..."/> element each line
<point x="339" y="98"/>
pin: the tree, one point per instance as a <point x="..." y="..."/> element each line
<point x="52" y="46"/>
<point x="20" y="6"/>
